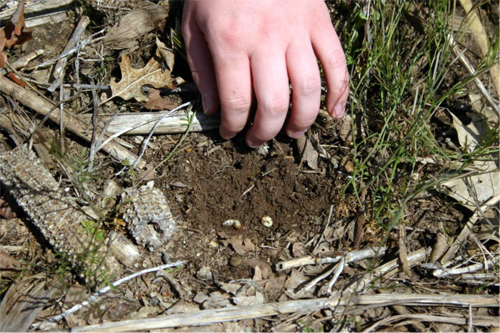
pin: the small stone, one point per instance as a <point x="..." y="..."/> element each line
<point x="204" y="273"/>
<point x="267" y="221"/>
<point x="235" y="260"/>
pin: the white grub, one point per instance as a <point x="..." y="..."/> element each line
<point x="235" y="223"/>
<point x="267" y="221"/>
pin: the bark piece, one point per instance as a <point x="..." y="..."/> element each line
<point x="141" y="20"/>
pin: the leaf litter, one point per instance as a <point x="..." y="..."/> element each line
<point x="233" y="268"/>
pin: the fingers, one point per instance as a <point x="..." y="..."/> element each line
<point x="234" y="80"/>
<point x="200" y="63"/>
<point x="329" y="51"/>
<point x="271" y="88"/>
<point x="306" y="97"/>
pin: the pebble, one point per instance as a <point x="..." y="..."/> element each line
<point x="235" y="260"/>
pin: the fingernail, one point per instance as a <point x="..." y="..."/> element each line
<point x="296" y="134"/>
<point x="207" y="102"/>
<point x="253" y="145"/>
<point x="339" y="110"/>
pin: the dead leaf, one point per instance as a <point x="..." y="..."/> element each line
<point x="13" y="33"/>
<point x="165" y="53"/>
<point x="264" y="268"/>
<point x="5" y="210"/>
<point x="148" y="174"/>
<point x="7" y="262"/>
<point x="468" y="190"/>
<point x="130" y="86"/>
<point x="307" y="152"/>
<point x="240" y="246"/>
<point x="156" y="102"/>
<point x="478" y="105"/>
<point x="135" y="24"/>
<point x="345" y="130"/>
<point x="470" y="135"/>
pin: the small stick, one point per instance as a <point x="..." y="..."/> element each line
<point x="350" y="257"/>
<point x="467" y="229"/>
<point x="472" y="72"/>
<point x="339" y="268"/>
<point x="468" y="269"/>
<point x="104" y="290"/>
<point x="481" y="38"/>
<point x="433" y="319"/>
<point x="75" y="125"/>
<point x="21" y="62"/>
<point x="207" y="317"/>
<point x="247" y="190"/>
<point x="145" y="143"/>
<point x="59" y="69"/>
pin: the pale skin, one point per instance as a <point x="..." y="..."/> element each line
<point x="238" y="49"/>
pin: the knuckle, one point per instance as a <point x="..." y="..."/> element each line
<point x="236" y="104"/>
<point x="336" y="59"/>
<point x="274" y="106"/>
<point x="308" y="86"/>
<point x="304" y="123"/>
<point x="229" y="36"/>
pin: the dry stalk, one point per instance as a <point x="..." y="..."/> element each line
<point x="59" y="68"/>
<point x="467" y="229"/>
<point x="46" y="108"/>
<point x="481" y="37"/>
<point x="208" y="317"/>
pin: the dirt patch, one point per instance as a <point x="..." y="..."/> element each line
<point x="216" y="181"/>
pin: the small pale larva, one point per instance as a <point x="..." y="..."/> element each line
<point x="267" y="221"/>
<point x="235" y="223"/>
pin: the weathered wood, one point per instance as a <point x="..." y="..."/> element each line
<point x="60" y="67"/>
<point x="207" y="317"/>
<point x="142" y="123"/>
<point x="75" y="125"/>
<point x="37" y="9"/>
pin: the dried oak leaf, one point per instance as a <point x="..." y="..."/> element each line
<point x="156" y="102"/>
<point x="14" y="32"/>
<point x="130" y="86"/>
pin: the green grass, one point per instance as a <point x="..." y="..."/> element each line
<point x="400" y="61"/>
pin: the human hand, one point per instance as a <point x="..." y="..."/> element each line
<point x="238" y="47"/>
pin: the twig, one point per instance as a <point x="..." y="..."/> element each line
<point x="350" y="257"/>
<point x="450" y="320"/>
<point x="75" y="125"/>
<point x="75" y="49"/>
<point x="384" y="270"/>
<point x="104" y="290"/>
<point x="207" y="317"/>
<point x="339" y="268"/>
<point x="21" y="62"/>
<point x="468" y="269"/>
<point x="145" y="143"/>
<point x="142" y="123"/>
<point x="481" y="38"/>
<point x="472" y="72"/>
<point x="247" y="190"/>
<point x="467" y="229"/>
<point x="59" y="69"/>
